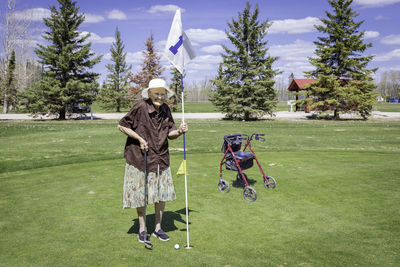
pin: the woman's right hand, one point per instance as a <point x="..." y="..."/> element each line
<point x="143" y="144"/>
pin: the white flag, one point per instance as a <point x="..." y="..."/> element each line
<point x="178" y="49"/>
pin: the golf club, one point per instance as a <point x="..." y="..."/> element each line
<point x="147" y="243"/>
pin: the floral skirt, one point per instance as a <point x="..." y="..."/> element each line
<point x="159" y="187"/>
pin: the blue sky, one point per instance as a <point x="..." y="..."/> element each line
<point x="290" y="37"/>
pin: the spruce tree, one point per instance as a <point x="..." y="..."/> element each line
<point x="151" y="68"/>
<point x="245" y="80"/>
<point x="344" y="83"/>
<point x="67" y="60"/>
<point x="8" y="90"/>
<point x="113" y="94"/>
<point x="175" y="86"/>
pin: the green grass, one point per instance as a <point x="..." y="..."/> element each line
<point x="387" y="107"/>
<point x="337" y="201"/>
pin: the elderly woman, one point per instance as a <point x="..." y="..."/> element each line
<point x="149" y="125"/>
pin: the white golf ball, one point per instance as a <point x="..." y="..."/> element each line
<point x="176" y="246"/>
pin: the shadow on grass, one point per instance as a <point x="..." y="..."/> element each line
<point x="86" y="117"/>
<point x="168" y="221"/>
<point x="329" y="117"/>
<point x="240" y="183"/>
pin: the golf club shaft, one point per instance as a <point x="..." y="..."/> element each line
<point x="147" y="244"/>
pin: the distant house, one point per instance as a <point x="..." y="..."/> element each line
<point x="298" y="85"/>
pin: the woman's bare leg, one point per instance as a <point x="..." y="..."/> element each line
<point x="142" y="219"/>
<point x="159" y="210"/>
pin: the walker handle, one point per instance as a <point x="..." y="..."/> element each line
<point x="257" y="136"/>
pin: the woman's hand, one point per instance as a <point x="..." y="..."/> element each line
<point x="143" y="144"/>
<point x="183" y="128"/>
<point x="132" y="134"/>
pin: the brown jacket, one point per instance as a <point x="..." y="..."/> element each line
<point x="154" y="127"/>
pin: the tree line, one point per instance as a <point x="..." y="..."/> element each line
<point x="246" y="86"/>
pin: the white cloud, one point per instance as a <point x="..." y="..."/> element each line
<point x="95" y="38"/>
<point x="107" y="56"/>
<point x="91" y="18"/>
<point x="375" y="3"/>
<point x="391" y="68"/>
<point x="116" y="14"/>
<point x="298" y="51"/>
<point x="292" y="26"/>
<point x="134" y="57"/>
<point x="371" y="34"/>
<point x="205" y="36"/>
<point x="393" y="39"/>
<point x="293" y="58"/>
<point x="160" y="46"/>
<point x="379" y="17"/>
<point x="297" y="68"/>
<point x="33" y="14"/>
<point x="196" y="66"/>
<point x="213" y="49"/>
<point x="206" y="62"/>
<point x="207" y="59"/>
<point x="131" y="57"/>
<point x="164" y="8"/>
<point x="37" y="14"/>
<point x="392" y="55"/>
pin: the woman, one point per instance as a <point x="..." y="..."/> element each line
<point x="149" y="125"/>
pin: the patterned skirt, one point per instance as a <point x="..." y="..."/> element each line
<point x="159" y="187"/>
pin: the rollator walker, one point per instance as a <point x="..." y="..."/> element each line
<point x="239" y="160"/>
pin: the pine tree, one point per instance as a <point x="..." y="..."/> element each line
<point x="344" y="84"/>
<point x="151" y="68"/>
<point x="245" y="79"/>
<point x="8" y="90"/>
<point x="291" y="78"/>
<point x="66" y="60"/>
<point x="175" y="86"/>
<point x="113" y="93"/>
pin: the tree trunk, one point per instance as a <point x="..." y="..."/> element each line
<point x="118" y="105"/>
<point x="62" y="114"/>
<point x="246" y="116"/>
<point x="5" y="106"/>
<point x="336" y="115"/>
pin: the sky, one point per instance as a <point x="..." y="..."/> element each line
<point x="290" y="37"/>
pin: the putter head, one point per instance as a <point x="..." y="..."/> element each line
<point x="148" y="245"/>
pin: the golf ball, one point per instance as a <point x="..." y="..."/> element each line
<point x="176" y="246"/>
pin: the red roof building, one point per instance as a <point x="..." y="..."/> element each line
<point x="298" y="85"/>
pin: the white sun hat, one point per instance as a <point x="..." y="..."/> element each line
<point x="157" y="83"/>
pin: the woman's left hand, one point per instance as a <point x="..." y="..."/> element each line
<point x="183" y="128"/>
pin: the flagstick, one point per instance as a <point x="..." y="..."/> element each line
<point x="184" y="158"/>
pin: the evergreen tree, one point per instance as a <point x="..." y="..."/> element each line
<point x="66" y="59"/>
<point x="8" y="90"/>
<point x="245" y="79"/>
<point x="291" y="78"/>
<point x="151" y="68"/>
<point x="344" y="84"/>
<point x="113" y="93"/>
<point x="175" y="86"/>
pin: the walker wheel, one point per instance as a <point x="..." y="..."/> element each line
<point x="269" y="182"/>
<point x="223" y="186"/>
<point x="249" y="194"/>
